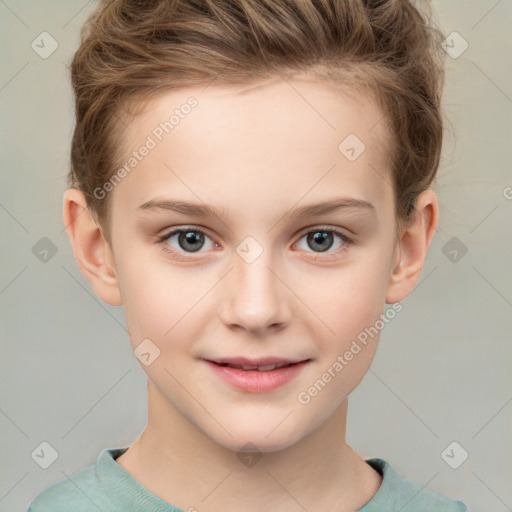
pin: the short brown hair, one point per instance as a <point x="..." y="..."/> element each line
<point x="133" y="49"/>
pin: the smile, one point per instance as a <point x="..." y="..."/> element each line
<point x="263" y="368"/>
<point x="256" y="378"/>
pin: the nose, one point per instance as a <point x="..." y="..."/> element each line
<point x="256" y="299"/>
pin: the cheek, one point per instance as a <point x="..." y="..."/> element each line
<point x="161" y="302"/>
<point x="350" y="299"/>
<point x="350" y="304"/>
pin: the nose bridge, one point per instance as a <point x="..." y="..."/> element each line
<point x="256" y="298"/>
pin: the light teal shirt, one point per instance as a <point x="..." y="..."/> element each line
<point x="107" y="487"/>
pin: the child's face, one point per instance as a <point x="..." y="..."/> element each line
<point x="256" y="157"/>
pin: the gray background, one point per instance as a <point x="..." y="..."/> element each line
<point x="442" y="370"/>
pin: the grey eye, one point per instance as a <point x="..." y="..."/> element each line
<point x="321" y="240"/>
<point x="189" y="240"/>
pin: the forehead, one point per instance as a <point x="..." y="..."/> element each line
<point x="265" y="108"/>
<point x="267" y="143"/>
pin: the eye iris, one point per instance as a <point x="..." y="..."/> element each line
<point x="191" y="240"/>
<point x="320" y="237"/>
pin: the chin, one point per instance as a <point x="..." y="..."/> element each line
<point x="257" y="437"/>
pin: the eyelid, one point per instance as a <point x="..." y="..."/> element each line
<point x="326" y="227"/>
<point x="185" y="227"/>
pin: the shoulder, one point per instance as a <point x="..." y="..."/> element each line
<point x="398" y="493"/>
<point x="80" y="492"/>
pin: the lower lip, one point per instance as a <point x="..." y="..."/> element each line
<point x="254" y="381"/>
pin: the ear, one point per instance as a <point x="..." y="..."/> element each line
<point x="92" y="252"/>
<point x="415" y="237"/>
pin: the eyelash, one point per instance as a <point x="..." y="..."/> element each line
<point x="162" y="240"/>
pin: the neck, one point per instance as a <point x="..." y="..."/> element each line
<point x="177" y="462"/>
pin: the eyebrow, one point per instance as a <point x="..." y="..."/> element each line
<point x="310" y="210"/>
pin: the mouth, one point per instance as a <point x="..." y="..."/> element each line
<point x="262" y="365"/>
<point x="256" y="376"/>
<point x="261" y="368"/>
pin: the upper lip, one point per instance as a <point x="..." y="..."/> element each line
<point x="262" y="361"/>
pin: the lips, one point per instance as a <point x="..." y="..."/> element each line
<point x="256" y="375"/>
<point x="261" y="368"/>
<point x="261" y="364"/>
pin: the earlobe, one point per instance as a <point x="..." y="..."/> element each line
<point x="414" y="242"/>
<point x="92" y="252"/>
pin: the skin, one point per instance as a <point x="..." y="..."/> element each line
<point x="255" y="153"/>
